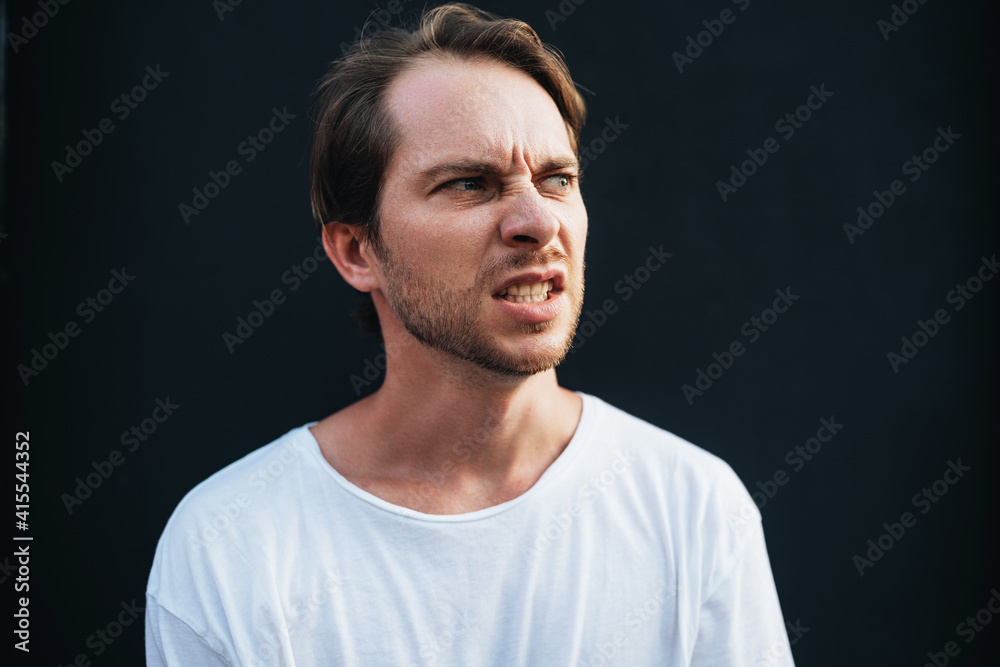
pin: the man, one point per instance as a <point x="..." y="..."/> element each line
<point x="471" y="511"/>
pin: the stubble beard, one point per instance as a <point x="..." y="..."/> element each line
<point x="449" y="320"/>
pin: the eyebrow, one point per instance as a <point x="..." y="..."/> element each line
<point x="492" y="168"/>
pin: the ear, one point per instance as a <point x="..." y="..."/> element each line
<point x="352" y="258"/>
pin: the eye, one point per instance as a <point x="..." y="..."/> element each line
<point x="469" y="184"/>
<point x="561" y="181"/>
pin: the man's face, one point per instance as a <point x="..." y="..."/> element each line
<point x="482" y="192"/>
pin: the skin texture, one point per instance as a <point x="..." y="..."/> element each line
<point x="470" y="413"/>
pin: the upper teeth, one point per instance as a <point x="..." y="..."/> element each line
<point x="524" y="289"/>
<point x="527" y="292"/>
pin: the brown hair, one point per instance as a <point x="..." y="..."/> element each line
<point x="355" y="136"/>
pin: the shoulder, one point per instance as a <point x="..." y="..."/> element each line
<point x="686" y="465"/>
<point x="240" y="505"/>
<point x="270" y="467"/>
<point x="694" y="494"/>
<point x="700" y="491"/>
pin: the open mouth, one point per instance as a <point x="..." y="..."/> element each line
<point x="527" y="292"/>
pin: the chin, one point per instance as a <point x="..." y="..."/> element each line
<point x="534" y="355"/>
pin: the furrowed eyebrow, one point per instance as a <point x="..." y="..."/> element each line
<point x="459" y="167"/>
<point x="561" y="164"/>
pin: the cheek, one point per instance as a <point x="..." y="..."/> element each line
<point x="576" y="231"/>
<point x="445" y="261"/>
<point x="452" y="249"/>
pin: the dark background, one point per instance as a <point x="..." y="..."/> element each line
<point x="655" y="184"/>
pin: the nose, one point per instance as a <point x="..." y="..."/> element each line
<point x="528" y="222"/>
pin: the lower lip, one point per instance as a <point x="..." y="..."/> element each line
<point x="533" y="313"/>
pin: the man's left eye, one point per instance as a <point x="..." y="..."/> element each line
<point x="560" y="180"/>
<point x="464" y="184"/>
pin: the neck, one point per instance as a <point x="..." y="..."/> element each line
<point x="475" y="438"/>
<point x="433" y="411"/>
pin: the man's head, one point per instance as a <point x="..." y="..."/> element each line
<point x="471" y="97"/>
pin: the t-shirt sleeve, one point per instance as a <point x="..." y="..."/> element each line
<point x="170" y="642"/>
<point x="740" y="623"/>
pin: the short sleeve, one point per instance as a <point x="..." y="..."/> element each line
<point x="170" y="642"/>
<point x="741" y="622"/>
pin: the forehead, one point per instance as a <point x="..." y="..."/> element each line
<point x="450" y="109"/>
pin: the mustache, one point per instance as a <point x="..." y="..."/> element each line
<point x="527" y="258"/>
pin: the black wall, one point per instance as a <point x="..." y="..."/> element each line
<point x="654" y="184"/>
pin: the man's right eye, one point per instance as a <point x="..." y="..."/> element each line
<point x="470" y="184"/>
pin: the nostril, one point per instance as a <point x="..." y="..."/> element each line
<point x="524" y="239"/>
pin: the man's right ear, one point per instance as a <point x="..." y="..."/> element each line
<point x="343" y="246"/>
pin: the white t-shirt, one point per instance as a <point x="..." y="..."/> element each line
<point x="634" y="548"/>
